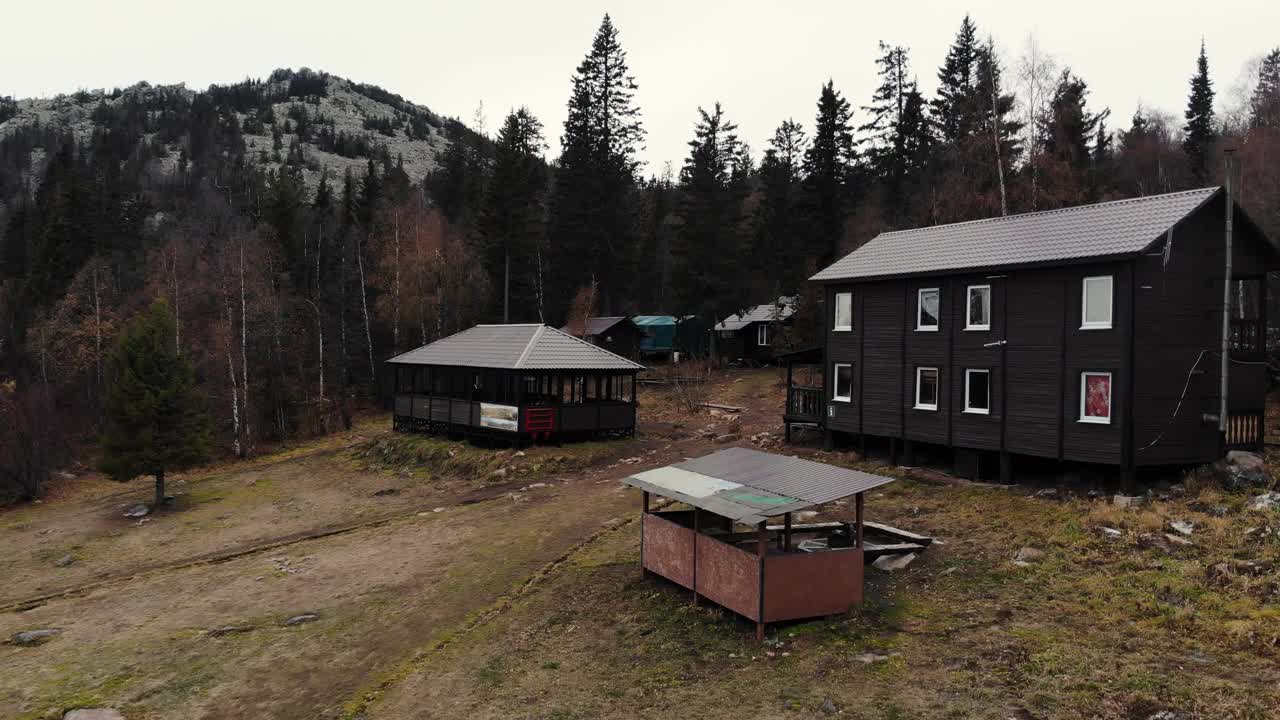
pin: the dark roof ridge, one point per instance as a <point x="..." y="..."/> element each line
<point x="1070" y="208"/>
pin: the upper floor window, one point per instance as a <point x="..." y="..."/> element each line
<point x="1096" y="311"/>
<point x="762" y="334"/>
<point x="844" y="311"/>
<point x="979" y="314"/>
<point x="927" y="309"/>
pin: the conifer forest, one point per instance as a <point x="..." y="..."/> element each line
<point x="296" y="250"/>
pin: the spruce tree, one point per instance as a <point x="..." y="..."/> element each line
<point x="707" y="254"/>
<point x="156" y="418"/>
<point x="1069" y="128"/>
<point x="830" y="167"/>
<point x="1199" y="131"/>
<point x="1264" y="105"/>
<point x="512" y="219"/>
<point x="593" y="213"/>
<point x="776" y="258"/>
<point x="955" y="110"/>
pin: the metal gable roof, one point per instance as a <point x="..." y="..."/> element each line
<point x="516" y="347"/>
<point x="596" y="325"/>
<point x="748" y="485"/>
<point x="781" y="309"/>
<point x="1120" y="227"/>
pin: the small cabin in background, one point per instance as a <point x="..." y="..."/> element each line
<point x="616" y="334"/>
<point x="749" y="335"/>
<point x="665" y="335"/>
<point x="515" y="382"/>
<point x="1089" y="334"/>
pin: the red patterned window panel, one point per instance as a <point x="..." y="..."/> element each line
<point x="1097" y="396"/>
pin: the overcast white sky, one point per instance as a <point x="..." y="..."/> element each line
<point x="764" y="61"/>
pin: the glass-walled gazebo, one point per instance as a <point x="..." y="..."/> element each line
<point x="518" y="382"/>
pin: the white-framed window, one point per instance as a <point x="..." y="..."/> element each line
<point x="762" y="334"/>
<point x="1096" y="303"/>
<point x="977" y="391"/>
<point x="927" y="300"/>
<point x="1095" y="397"/>
<point x="842" y="387"/>
<point x="844" y="311"/>
<point x="926" y="388"/>
<point x="978" y="313"/>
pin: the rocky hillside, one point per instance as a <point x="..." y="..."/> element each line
<point x="316" y="122"/>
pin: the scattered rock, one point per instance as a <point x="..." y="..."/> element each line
<point x="1111" y="532"/>
<point x="868" y="658"/>
<point x="1182" y="526"/>
<point x="1126" y="501"/>
<point x="890" y="563"/>
<point x="301" y="619"/>
<point x="630" y="460"/>
<point x="535" y="486"/>
<point x="93" y="714"/>
<point x="1239" y="567"/>
<point x="386" y="491"/>
<point x="35" y="637"/>
<point x="1246" y="460"/>
<point x="728" y="438"/>
<point x="734" y="422"/>
<point x="499" y="473"/>
<point x="137" y="511"/>
<point x="1177" y="540"/>
<point x="1047" y="493"/>
<point x="521" y="453"/>
<point x="1170" y="714"/>
<point x="65" y="560"/>
<point x="439" y="509"/>
<point x="827" y="707"/>
<point x="229" y="630"/>
<point x="1155" y="541"/>
<point x="1029" y="555"/>
<point x="1266" y="501"/>
<point x="1095" y="494"/>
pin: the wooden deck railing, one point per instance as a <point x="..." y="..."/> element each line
<point x="805" y="403"/>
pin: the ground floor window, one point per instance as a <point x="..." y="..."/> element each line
<point x="1095" y="397"/>
<point x="926" y="388"/>
<point x="762" y="334"/>
<point x="843" y="373"/>
<point x="977" y="391"/>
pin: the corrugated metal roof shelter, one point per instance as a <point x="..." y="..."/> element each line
<point x="1122" y="227"/>
<point x="748" y="486"/>
<point x="521" y="382"/>
<point x="744" y="571"/>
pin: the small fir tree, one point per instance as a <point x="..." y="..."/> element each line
<point x="156" y="419"/>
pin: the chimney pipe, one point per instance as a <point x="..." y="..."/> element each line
<point x="1229" y="157"/>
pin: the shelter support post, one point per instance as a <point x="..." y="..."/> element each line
<point x="644" y="510"/>
<point x="762" y="535"/>
<point x="1006" y="467"/>
<point x="858" y="505"/>
<point x="697" y="515"/>
<point x="786" y="533"/>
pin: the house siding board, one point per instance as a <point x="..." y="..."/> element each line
<point x="884" y="318"/>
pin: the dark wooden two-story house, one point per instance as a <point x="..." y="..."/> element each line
<point x="1090" y="334"/>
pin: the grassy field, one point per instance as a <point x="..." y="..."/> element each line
<point x="453" y="581"/>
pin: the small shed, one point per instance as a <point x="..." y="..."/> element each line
<point x="516" y="382"/>
<point x="756" y="571"/>
<point x="616" y="334"/>
<point x="657" y="333"/>
<point x="749" y="335"/>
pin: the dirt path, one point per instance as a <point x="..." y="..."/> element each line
<point x="249" y="546"/>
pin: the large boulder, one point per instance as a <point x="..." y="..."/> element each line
<point x="35" y="637"/>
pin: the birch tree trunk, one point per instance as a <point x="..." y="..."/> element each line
<point x="231" y="370"/>
<point x="244" y="356"/>
<point x="995" y="125"/>
<point x="364" y="308"/>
